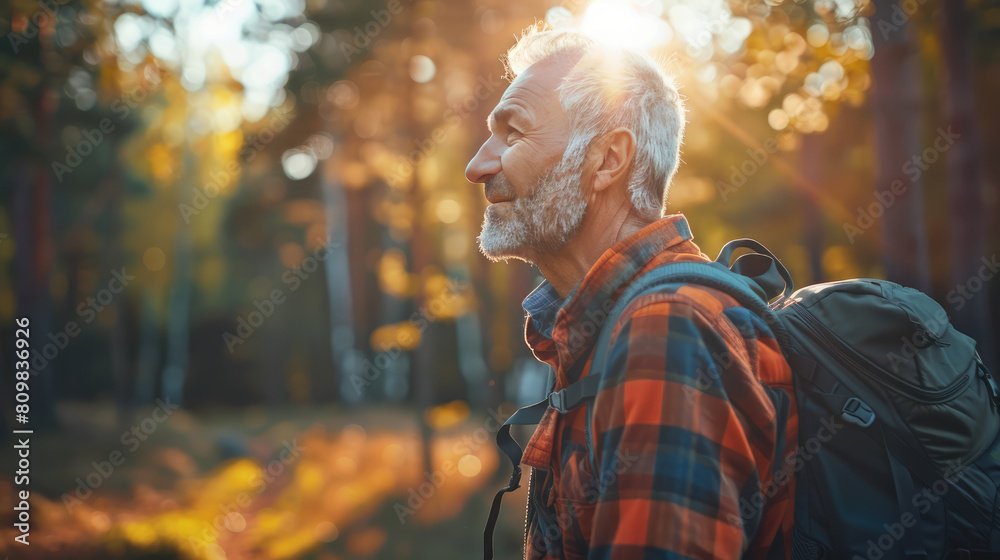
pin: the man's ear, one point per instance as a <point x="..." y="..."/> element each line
<point x="615" y="152"/>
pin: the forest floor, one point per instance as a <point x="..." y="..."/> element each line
<point x="263" y="484"/>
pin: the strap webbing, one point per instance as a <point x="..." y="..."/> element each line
<point x="926" y="474"/>
<point x="767" y="279"/>
<point x="912" y="542"/>
<point x="523" y="416"/>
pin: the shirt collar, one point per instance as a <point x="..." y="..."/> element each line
<point x="541" y="306"/>
<point x="549" y="316"/>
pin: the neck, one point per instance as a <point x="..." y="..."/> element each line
<point x="567" y="268"/>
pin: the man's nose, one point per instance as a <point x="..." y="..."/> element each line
<point x="485" y="164"/>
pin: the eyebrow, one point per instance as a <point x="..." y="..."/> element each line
<point x="505" y="113"/>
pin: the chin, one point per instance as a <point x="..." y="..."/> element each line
<point x="493" y="257"/>
<point x="502" y="240"/>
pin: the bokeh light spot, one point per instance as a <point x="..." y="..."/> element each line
<point x="343" y="94"/>
<point x="326" y="531"/>
<point x="154" y="259"/>
<point x="298" y="164"/>
<point x="100" y="521"/>
<point x="448" y="211"/>
<point x="394" y="454"/>
<point x="345" y="466"/>
<point x="470" y="465"/>
<point x="215" y="552"/>
<point x="422" y="69"/>
<point x="818" y="35"/>
<point x="559" y="16"/>
<point x="492" y="21"/>
<point x="235" y="522"/>
<point x="778" y="119"/>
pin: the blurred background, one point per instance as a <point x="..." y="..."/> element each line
<point x="260" y="325"/>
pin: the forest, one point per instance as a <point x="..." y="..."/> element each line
<point x="260" y="327"/>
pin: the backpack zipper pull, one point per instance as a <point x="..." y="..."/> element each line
<point x="991" y="384"/>
<point x="927" y="334"/>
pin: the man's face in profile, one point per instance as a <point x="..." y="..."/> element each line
<point x="536" y="204"/>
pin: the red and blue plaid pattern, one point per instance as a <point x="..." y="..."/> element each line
<point x="695" y="417"/>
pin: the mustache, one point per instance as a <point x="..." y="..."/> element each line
<point x="498" y="185"/>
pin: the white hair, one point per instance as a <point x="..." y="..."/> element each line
<point x="609" y="88"/>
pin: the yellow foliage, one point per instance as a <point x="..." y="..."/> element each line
<point x="403" y="336"/>
<point x="163" y="163"/>
<point x="393" y="277"/>
<point x="443" y="298"/>
<point x="445" y="416"/>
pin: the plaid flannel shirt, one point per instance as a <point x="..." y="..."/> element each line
<point x="694" y="438"/>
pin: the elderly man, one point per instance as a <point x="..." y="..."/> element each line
<point x="687" y="429"/>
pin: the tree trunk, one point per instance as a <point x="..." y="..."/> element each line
<point x="31" y="219"/>
<point x="121" y="368"/>
<point x="897" y="138"/>
<point x="148" y="359"/>
<point x="966" y="172"/>
<point x="338" y="277"/>
<point x="179" y="302"/>
<point x="812" y="167"/>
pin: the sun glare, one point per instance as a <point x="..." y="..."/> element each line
<point x="621" y="24"/>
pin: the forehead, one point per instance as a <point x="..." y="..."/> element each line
<point x="534" y="89"/>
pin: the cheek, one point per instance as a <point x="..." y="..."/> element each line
<point x="518" y="169"/>
<point x="525" y="162"/>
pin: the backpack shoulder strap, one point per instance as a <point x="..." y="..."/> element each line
<point x="752" y="280"/>
<point x="713" y="275"/>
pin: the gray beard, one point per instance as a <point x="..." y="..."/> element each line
<point x="541" y="224"/>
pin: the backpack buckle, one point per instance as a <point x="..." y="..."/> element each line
<point x="515" y="480"/>
<point x="557" y="401"/>
<point x="857" y="412"/>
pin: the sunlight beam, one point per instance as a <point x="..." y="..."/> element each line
<point x="621" y="24"/>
